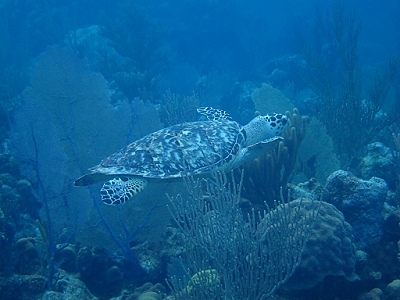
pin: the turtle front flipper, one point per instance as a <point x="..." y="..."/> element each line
<point x="253" y="151"/>
<point x="119" y="190"/>
<point x="264" y="146"/>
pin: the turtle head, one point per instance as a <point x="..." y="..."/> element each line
<point x="264" y="127"/>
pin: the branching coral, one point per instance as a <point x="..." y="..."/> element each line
<point x="136" y="84"/>
<point x="142" y="55"/>
<point x="179" y="109"/>
<point x="227" y="256"/>
<point x="334" y="74"/>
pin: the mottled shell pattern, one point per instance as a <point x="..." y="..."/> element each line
<point x="180" y="150"/>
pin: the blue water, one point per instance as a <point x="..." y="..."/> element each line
<point x="82" y="79"/>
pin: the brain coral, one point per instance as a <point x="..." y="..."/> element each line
<point x="329" y="249"/>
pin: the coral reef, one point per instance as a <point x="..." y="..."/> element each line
<point x="16" y="196"/>
<point x="310" y="189"/>
<point x="101" y="273"/>
<point x="179" y="109"/>
<point x="148" y="291"/>
<point x="360" y="201"/>
<point x="141" y="51"/>
<point x="22" y="286"/>
<point x="68" y="258"/>
<point x="316" y="153"/>
<point x="68" y="287"/>
<point x="137" y="84"/>
<point x="391" y="223"/>
<point x="396" y="161"/>
<point x="392" y="290"/>
<point x="335" y="74"/>
<point x="135" y="71"/>
<point x="150" y="259"/>
<point x="10" y="201"/>
<point x="27" y="256"/>
<point x="329" y="249"/>
<point x="379" y="162"/>
<point x="7" y="233"/>
<point x="204" y="279"/>
<point x="218" y="238"/>
<point x="374" y="294"/>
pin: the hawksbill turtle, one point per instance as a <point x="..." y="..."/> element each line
<point x="188" y="149"/>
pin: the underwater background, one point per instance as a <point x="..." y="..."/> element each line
<point x="317" y="217"/>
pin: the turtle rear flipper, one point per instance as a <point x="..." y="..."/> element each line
<point x="119" y="190"/>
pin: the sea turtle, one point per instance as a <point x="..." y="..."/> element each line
<point x="188" y="149"/>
